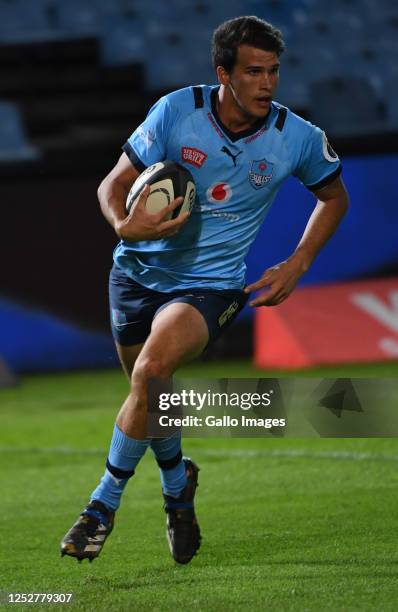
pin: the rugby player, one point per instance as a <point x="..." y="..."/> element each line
<point x="173" y="280"/>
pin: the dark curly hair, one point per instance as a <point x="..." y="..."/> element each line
<point x="249" y="30"/>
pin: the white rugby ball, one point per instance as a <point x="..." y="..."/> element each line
<point x="168" y="181"/>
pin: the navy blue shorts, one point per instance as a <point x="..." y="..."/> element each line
<point x="133" y="307"/>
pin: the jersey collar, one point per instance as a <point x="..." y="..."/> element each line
<point x="234" y="136"/>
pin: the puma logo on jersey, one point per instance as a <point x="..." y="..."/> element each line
<point x="228" y="152"/>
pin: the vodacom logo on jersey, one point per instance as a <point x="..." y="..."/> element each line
<point x="219" y="193"/>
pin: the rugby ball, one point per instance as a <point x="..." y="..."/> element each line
<point x="168" y="181"/>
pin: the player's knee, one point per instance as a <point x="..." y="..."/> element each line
<point x="151" y="367"/>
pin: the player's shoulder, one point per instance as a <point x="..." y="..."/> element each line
<point x="291" y="124"/>
<point x="188" y="99"/>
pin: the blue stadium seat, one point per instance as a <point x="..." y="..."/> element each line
<point x="22" y="21"/>
<point x="346" y="106"/>
<point x="316" y="30"/>
<point x="178" y="56"/>
<point x="13" y="143"/>
<point x="208" y="14"/>
<point x="293" y="84"/>
<point x="167" y="57"/>
<point x="122" y="39"/>
<point x="168" y="67"/>
<point x="278" y="12"/>
<point x="74" y="18"/>
<point x="365" y="61"/>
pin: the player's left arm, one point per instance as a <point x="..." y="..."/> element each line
<point x="281" y="279"/>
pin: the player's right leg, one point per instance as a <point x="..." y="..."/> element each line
<point x="179" y="334"/>
<point x="132" y="309"/>
<point x="87" y="536"/>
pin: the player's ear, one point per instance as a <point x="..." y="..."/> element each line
<point x="223" y="76"/>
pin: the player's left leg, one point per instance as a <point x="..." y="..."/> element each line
<point x="179" y="334"/>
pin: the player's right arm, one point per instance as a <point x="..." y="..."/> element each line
<point x="138" y="224"/>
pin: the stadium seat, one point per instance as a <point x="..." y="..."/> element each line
<point x="122" y="39"/>
<point x="315" y="30"/>
<point x="22" y="21"/>
<point x="278" y="12"/>
<point x="207" y="14"/>
<point x="13" y="143"/>
<point x="367" y="62"/>
<point x="346" y="106"/>
<point x="161" y="13"/>
<point x="293" y="87"/>
<point x="74" y="18"/>
<point x="168" y="56"/>
<point x="170" y="71"/>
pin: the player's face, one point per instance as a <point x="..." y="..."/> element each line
<point x="253" y="80"/>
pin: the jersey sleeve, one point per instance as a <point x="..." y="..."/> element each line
<point x="148" y="143"/>
<point x="319" y="164"/>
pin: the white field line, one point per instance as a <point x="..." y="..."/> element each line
<point x="242" y="453"/>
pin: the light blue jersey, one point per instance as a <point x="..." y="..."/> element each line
<point x="237" y="177"/>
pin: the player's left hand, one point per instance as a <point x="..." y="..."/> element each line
<point x="281" y="279"/>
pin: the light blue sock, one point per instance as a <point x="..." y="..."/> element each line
<point x="172" y="467"/>
<point x="124" y="455"/>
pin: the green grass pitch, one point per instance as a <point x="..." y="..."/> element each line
<point x="287" y="524"/>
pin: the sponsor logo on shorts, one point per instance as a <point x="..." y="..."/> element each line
<point x="193" y="156"/>
<point x="260" y="173"/>
<point x="119" y="319"/>
<point x="219" y="193"/>
<point x="228" y="314"/>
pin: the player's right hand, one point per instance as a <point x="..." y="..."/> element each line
<point x="141" y="225"/>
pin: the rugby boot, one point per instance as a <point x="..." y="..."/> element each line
<point x="87" y="536"/>
<point x="183" y="533"/>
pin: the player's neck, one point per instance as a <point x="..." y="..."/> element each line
<point x="230" y="113"/>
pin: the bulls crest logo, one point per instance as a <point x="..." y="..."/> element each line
<point x="260" y="173"/>
<point x="328" y="152"/>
